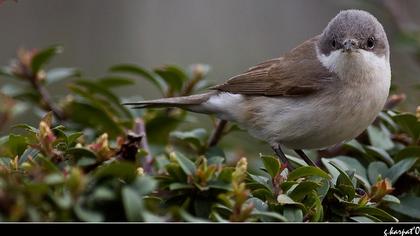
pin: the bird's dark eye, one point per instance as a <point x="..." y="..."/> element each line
<point x="333" y="43"/>
<point x="370" y="43"/>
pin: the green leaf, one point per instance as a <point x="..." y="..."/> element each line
<point x="344" y="182"/>
<point x="391" y="199"/>
<point x="267" y="214"/>
<point x="186" y="164"/>
<point x="362" y="219"/>
<point x="409" y="124"/>
<point x="293" y="214"/>
<point x="138" y="71"/>
<point x="87" y="214"/>
<point x="80" y="152"/>
<point x="379" y="138"/>
<point x="376" y="212"/>
<point x="379" y="154"/>
<point x="17" y="144"/>
<point x="43" y="56"/>
<point x="115" y="81"/>
<point x="144" y="185"/>
<point x="411" y="151"/>
<point x="307" y="171"/>
<point x="133" y="204"/>
<point x="348" y="164"/>
<point x="196" y="137"/>
<point x="271" y="164"/>
<point x="29" y="152"/>
<point x="124" y="170"/>
<point x="400" y="168"/>
<point x="173" y="76"/>
<point x="303" y="189"/>
<point x="377" y="169"/>
<point x="58" y="74"/>
<point x="71" y="138"/>
<point x="409" y="206"/>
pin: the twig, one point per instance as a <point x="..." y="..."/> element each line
<point x="140" y="129"/>
<point x="217" y="133"/>
<point x="46" y="99"/>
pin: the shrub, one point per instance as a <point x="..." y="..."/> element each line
<point x="90" y="159"/>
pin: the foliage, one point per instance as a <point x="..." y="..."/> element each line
<point x="89" y="159"/>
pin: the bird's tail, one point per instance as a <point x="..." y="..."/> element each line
<point x="191" y="102"/>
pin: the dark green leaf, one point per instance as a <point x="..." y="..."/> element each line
<point x="173" y="76"/>
<point x="303" y="189"/>
<point x="379" y="154"/>
<point x="196" y="137"/>
<point x="124" y="170"/>
<point x="42" y="57"/>
<point x="186" y="164"/>
<point x="379" y="138"/>
<point x="138" y="71"/>
<point x="271" y="164"/>
<point x="17" y="144"/>
<point x="408" y="124"/>
<point x="307" y="171"/>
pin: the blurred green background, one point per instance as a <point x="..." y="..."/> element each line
<point x="230" y="36"/>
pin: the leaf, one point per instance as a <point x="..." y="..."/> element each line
<point x="115" y="81"/>
<point x="376" y="169"/>
<point x="71" y="138"/>
<point x="293" y="214"/>
<point x="86" y="214"/>
<point x="409" y="124"/>
<point x="409" y="206"/>
<point x="379" y="154"/>
<point x="173" y="76"/>
<point x="81" y="152"/>
<point x="43" y="56"/>
<point x="136" y="70"/>
<point x="17" y="144"/>
<point x="196" y="137"/>
<point x="376" y="212"/>
<point x="124" y="170"/>
<point x="411" y="151"/>
<point x="144" y="185"/>
<point x="186" y="164"/>
<point x="391" y="199"/>
<point x="379" y="138"/>
<point x="265" y="214"/>
<point x="58" y="74"/>
<point x="307" y="171"/>
<point x="349" y="164"/>
<point x="28" y="153"/>
<point x="283" y="199"/>
<point x="271" y="164"/>
<point x="133" y="204"/>
<point x="344" y="182"/>
<point x="362" y="219"/>
<point x="87" y="115"/>
<point x="400" y="168"/>
<point x="302" y="189"/>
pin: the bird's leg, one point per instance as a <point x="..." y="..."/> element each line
<point x="217" y="133"/>
<point x="282" y="157"/>
<point x="304" y="157"/>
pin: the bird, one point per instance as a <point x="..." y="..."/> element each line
<point x="325" y="91"/>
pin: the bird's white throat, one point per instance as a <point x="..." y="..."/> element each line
<point x="359" y="64"/>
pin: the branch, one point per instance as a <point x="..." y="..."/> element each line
<point x="46" y="99"/>
<point x="217" y="133"/>
<point x="140" y="129"/>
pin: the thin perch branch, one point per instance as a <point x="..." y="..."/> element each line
<point x="217" y="133"/>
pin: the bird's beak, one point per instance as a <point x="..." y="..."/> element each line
<point x="349" y="45"/>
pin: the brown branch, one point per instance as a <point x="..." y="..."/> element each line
<point x="217" y="133"/>
<point x="46" y="99"/>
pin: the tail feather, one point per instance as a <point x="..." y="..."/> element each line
<point x="181" y="102"/>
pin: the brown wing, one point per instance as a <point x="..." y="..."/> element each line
<point x="299" y="72"/>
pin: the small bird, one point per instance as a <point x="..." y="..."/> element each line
<point x="325" y="91"/>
